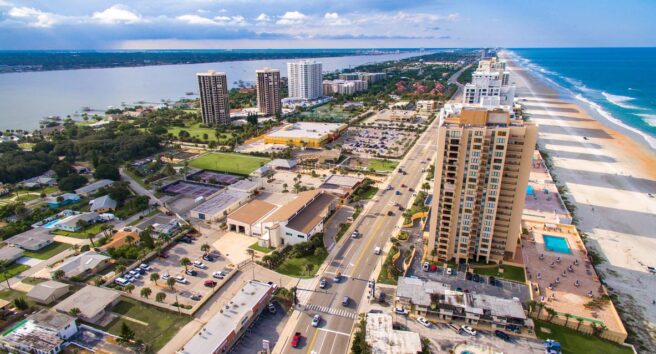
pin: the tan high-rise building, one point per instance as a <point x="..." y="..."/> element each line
<point x="268" y="91"/>
<point x="482" y="169"/>
<point x="214" y="106"/>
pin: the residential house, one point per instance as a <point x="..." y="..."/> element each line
<point x="44" y="332"/>
<point x="47" y="292"/>
<point x="92" y="302"/>
<point x="76" y="222"/>
<point x="84" y="264"/>
<point x="102" y="204"/>
<point x="64" y="199"/>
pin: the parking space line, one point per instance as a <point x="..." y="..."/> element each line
<point x="335" y="332"/>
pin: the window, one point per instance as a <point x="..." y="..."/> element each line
<point x="288" y="234"/>
<point x="490" y="205"/>
<point x="301" y="236"/>
<point x="469" y="205"/>
<point x="476" y="153"/>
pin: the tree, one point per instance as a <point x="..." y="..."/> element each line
<point x="205" y="248"/>
<point x="91" y="235"/>
<point x="146" y="240"/>
<point x="154" y="277"/>
<point x="20" y="303"/>
<point x="127" y="334"/>
<point x="3" y="270"/>
<point x="185" y="262"/>
<point x="170" y="282"/>
<point x="129" y="288"/>
<point x="107" y="171"/>
<point x="145" y="292"/>
<point x="160" y="296"/>
<point x="58" y="274"/>
<point x="74" y="311"/>
<point x="120" y="268"/>
<point x="252" y="119"/>
<point x="71" y="182"/>
<point x="129" y="239"/>
<point x="308" y="268"/>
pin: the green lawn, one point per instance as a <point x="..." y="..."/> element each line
<point x="383" y="165"/>
<point x="48" y="251"/>
<point x="13" y="270"/>
<point x="196" y="131"/>
<point x="230" y="163"/>
<point x="388" y="271"/>
<point x="162" y="324"/>
<point x="576" y="342"/>
<point x="259" y="248"/>
<point x="93" y="229"/>
<point x="509" y="272"/>
<point x="295" y="267"/>
<point x="367" y="193"/>
<point x="11" y="295"/>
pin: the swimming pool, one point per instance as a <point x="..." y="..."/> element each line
<point x="556" y="244"/>
<point x="529" y="190"/>
<point x="51" y="224"/>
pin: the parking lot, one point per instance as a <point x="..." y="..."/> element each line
<point x="371" y="142"/>
<point x="396" y="119"/>
<point x="188" y="284"/>
<point x="267" y="326"/>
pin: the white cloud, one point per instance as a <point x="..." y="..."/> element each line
<point x="4" y="3"/>
<point x="34" y="17"/>
<point x="195" y="20"/>
<point x="263" y="18"/>
<point x="333" y="19"/>
<point x="116" y="14"/>
<point x="291" y="18"/>
<point x="331" y="15"/>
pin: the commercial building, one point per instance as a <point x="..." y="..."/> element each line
<point x="369" y="77"/>
<point x="268" y="92"/>
<point x="344" y="87"/>
<point x="340" y="185"/>
<point x="47" y="292"/>
<point x="482" y="169"/>
<point x="44" y="332"/>
<point x="305" y="134"/>
<point x="436" y="301"/>
<point x="219" y="206"/>
<point x="298" y="220"/>
<point x="384" y="339"/>
<point x="9" y="254"/>
<point x="428" y="105"/>
<point x="221" y="332"/>
<point x="305" y="79"/>
<point x="93" y="302"/>
<point x="282" y="164"/>
<point x="214" y="106"/>
<point x="248" y="218"/>
<point x="84" y="264"/>
<point x="490" y="85"/>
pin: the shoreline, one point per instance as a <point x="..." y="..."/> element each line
<point x="609" y="177"/>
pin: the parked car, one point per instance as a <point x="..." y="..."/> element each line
<point x="323" y="283"/>
<point x="296" y="339"/>
<point x="355" y="234"/>
<point x="121" y="281"/>
<point x="165" y="276"/>
<point x="468" y="330"/>
<point x="503" y="335"/>
<point x="218" y="275"/>
<point x="195" y="297"/>
<point x="141" y="271"/>
<point x="272" y="308"/>
<point x="186" y="239"/>
<point x="144" y="266"/>
<point x="208" y="257"/>
<point x="199" y="264"/>
<point x="400" y="311"/>
<point x="346" y="301"/>
<point x="449" y="271"/>
<point x="316" y="320"/>
<point x="191" y="272"/>
<point x="209" y="283"/>
<point x="381" y="297"/>
<point x="180" y="279"/>
<point x="425" y="267"/>
<point x="424" y="322"/>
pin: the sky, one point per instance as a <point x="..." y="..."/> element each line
<point x="178" y="24"/>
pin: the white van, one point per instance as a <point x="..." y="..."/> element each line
<point x="121" y="281"/>
<point x="377" y="250"/>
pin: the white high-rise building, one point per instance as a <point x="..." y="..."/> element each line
<point x="305" y="79"/>
<point x="490" y="85"/>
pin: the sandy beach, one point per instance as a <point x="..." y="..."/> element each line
<point x="608" y="175"/>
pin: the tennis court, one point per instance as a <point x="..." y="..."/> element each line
<point x="214" y="178"/>
<point x="190" y="189"/>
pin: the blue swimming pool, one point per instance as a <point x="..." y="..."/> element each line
<point x="51" y="224"/>
<point x="529" y="190"/>
<point x="556" y="244"/>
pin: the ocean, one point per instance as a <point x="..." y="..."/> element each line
<point x="617" y="83"/>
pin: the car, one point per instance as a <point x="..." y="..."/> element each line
<point x="381" y="297"/>
<point x="199" y="264"/>
<point x="468" y="276"/>
<point x="218" y="275"/>
<point x="468" y="330"/>
<point x="209" y="283"/>
<point x="476" y="278"/>
<point x="316" y="320"/>
<point x="397" y="192"/>
<point x="165" y="276"/>
<point x="491" y="280"/>
<point x="400" y="311"/>
<point x="195" y="297"/>
<point x="411" y="189"/>
<point x="424" y="322"/>
<point x="449" y="271"/>
<point x="121" y="281"/>
<point x="185" y="239"/>
<point x="272" y="308"/>
<point x="144" y="266"/>
<point x="133" y="272"/>
<point x="296" y="339"/>
<point x="323" y="283"/>
<point x="503" y="335"/>
<point x="390" y="213"/>
<point x="191" y="272"/>
<point x="401" y="208"/>
<point x="355" y="234"/>
<point x="208" y="257"/>
<point x="345" y="301"/>
<point x="377" y="250"/>
<point x="403" y="185"/>
<point x="425" y="267"/>
<point x="180" y="279"/>
<point x="338" y="277"/>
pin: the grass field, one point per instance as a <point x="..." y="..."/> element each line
<point x="162" y="324"/>
<point x="48" y="251"/>
<point x="13" y="270"/>
<point x="509" y="272"/>
<point x="295" y="267"/>
<point x="383" y="165"/>
<point x="259" y="248"/>
<point x="93" y="229"/>
<point x="196" y="131"/>
<point x="324" y="113"/>
<point x="230" y="163"/>
<point x="576" y="342"/>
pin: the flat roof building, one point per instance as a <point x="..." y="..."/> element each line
<point x="248" y="218"/>
<point x="32" y="240"/>
<point x="221" y="332"/>
<point x="219" y="206"/>
<point x="92" y="301"/>
<point x="304" y="79"/>
<point x="214" y="107"/>
<point x="44" y="332"/>
<point x="384" y="339"/>
<point x="84" y="264"/>
<point x="305" y="134"/>
<point x="341" y="185"/>
<point x="47" y="292"/>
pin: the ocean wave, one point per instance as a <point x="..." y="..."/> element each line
<point x="620" y="100"/>
<point x="604" y="113"/>
<point x="648" y="118"/>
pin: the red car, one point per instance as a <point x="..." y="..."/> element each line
<point x="296" y="340"/>
<point x="210" y="283"/>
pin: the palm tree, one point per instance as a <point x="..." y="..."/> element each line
<point x="308" y="268"/>
<point x="579" y="323"/>
<point x="205" y="248"/>
<point x="74" y="311"/>
<point x="567" y="317"/>
<point x="551" y="312"/>
<point x="129" y="288"/>
<point x="145" y="292"/>
<point x="154" y="277"/>
<point x="58" y="274"/>
<point x="90" y="235"/>
<point x="3" y="270"/>
<point x="129" y="239"/>
<point x="185" y="262"/>
<point x="170" y="282"/>
<point x="120" y="268"/>
<point x="160" y="296"/>
<point x="531" y="306"/>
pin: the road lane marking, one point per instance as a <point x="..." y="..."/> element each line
<point x="314" y="338"/>
<point x="335" y="332"/>
<point x="331" y="311"/>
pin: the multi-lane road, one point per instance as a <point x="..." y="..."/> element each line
<point x="355" y="258"/>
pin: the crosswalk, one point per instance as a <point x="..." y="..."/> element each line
<point x="331" y="311"/>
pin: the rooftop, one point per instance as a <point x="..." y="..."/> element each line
<point x="220" y="202"/>
<point x="81" y="263"/>
<point x="90" y="188"/>
<point x="307" y="130"/>
<point x="32" y="239"/>
<point x="233" y="315"/>
<point x="287" y="211"/>
<point x="243" y="185"/>
<point x="10" y="253"/>
<point x="252" y="212"/>
<point x="43" y="291"/>
<point x="282" y="163"/>
<point x="90" y="300"/>
<point x="343" y="181"/>
<point x="51" y="319"/>
<point x="34" y="337"/>
<point x="104" y="202"/>
<point x="73" y="220"/>
<point x="312" y="214"/>
<point x="384" y="339"/>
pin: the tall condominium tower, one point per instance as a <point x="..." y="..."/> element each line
<point x="482" y="169"/>
<point x="305" y="79"/>
<point x="214" y="98"/>
<point x="490" y="85"/>
<point x="268" y="91"/>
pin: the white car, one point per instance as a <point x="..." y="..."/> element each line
<point x="165" y="276"/>
<point x="449" y="271"/>
<point x="468" y="330"/>
<point x="199" y="264"/>
<point x="218" y="275"/>
<point x="377" y="250"/>
<point x="400" y="311"/>
<point x="180" y="279"/>
<point x="424" y="322"/>
<point x="425" y="267"/>
<point x="316" y="320"/>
